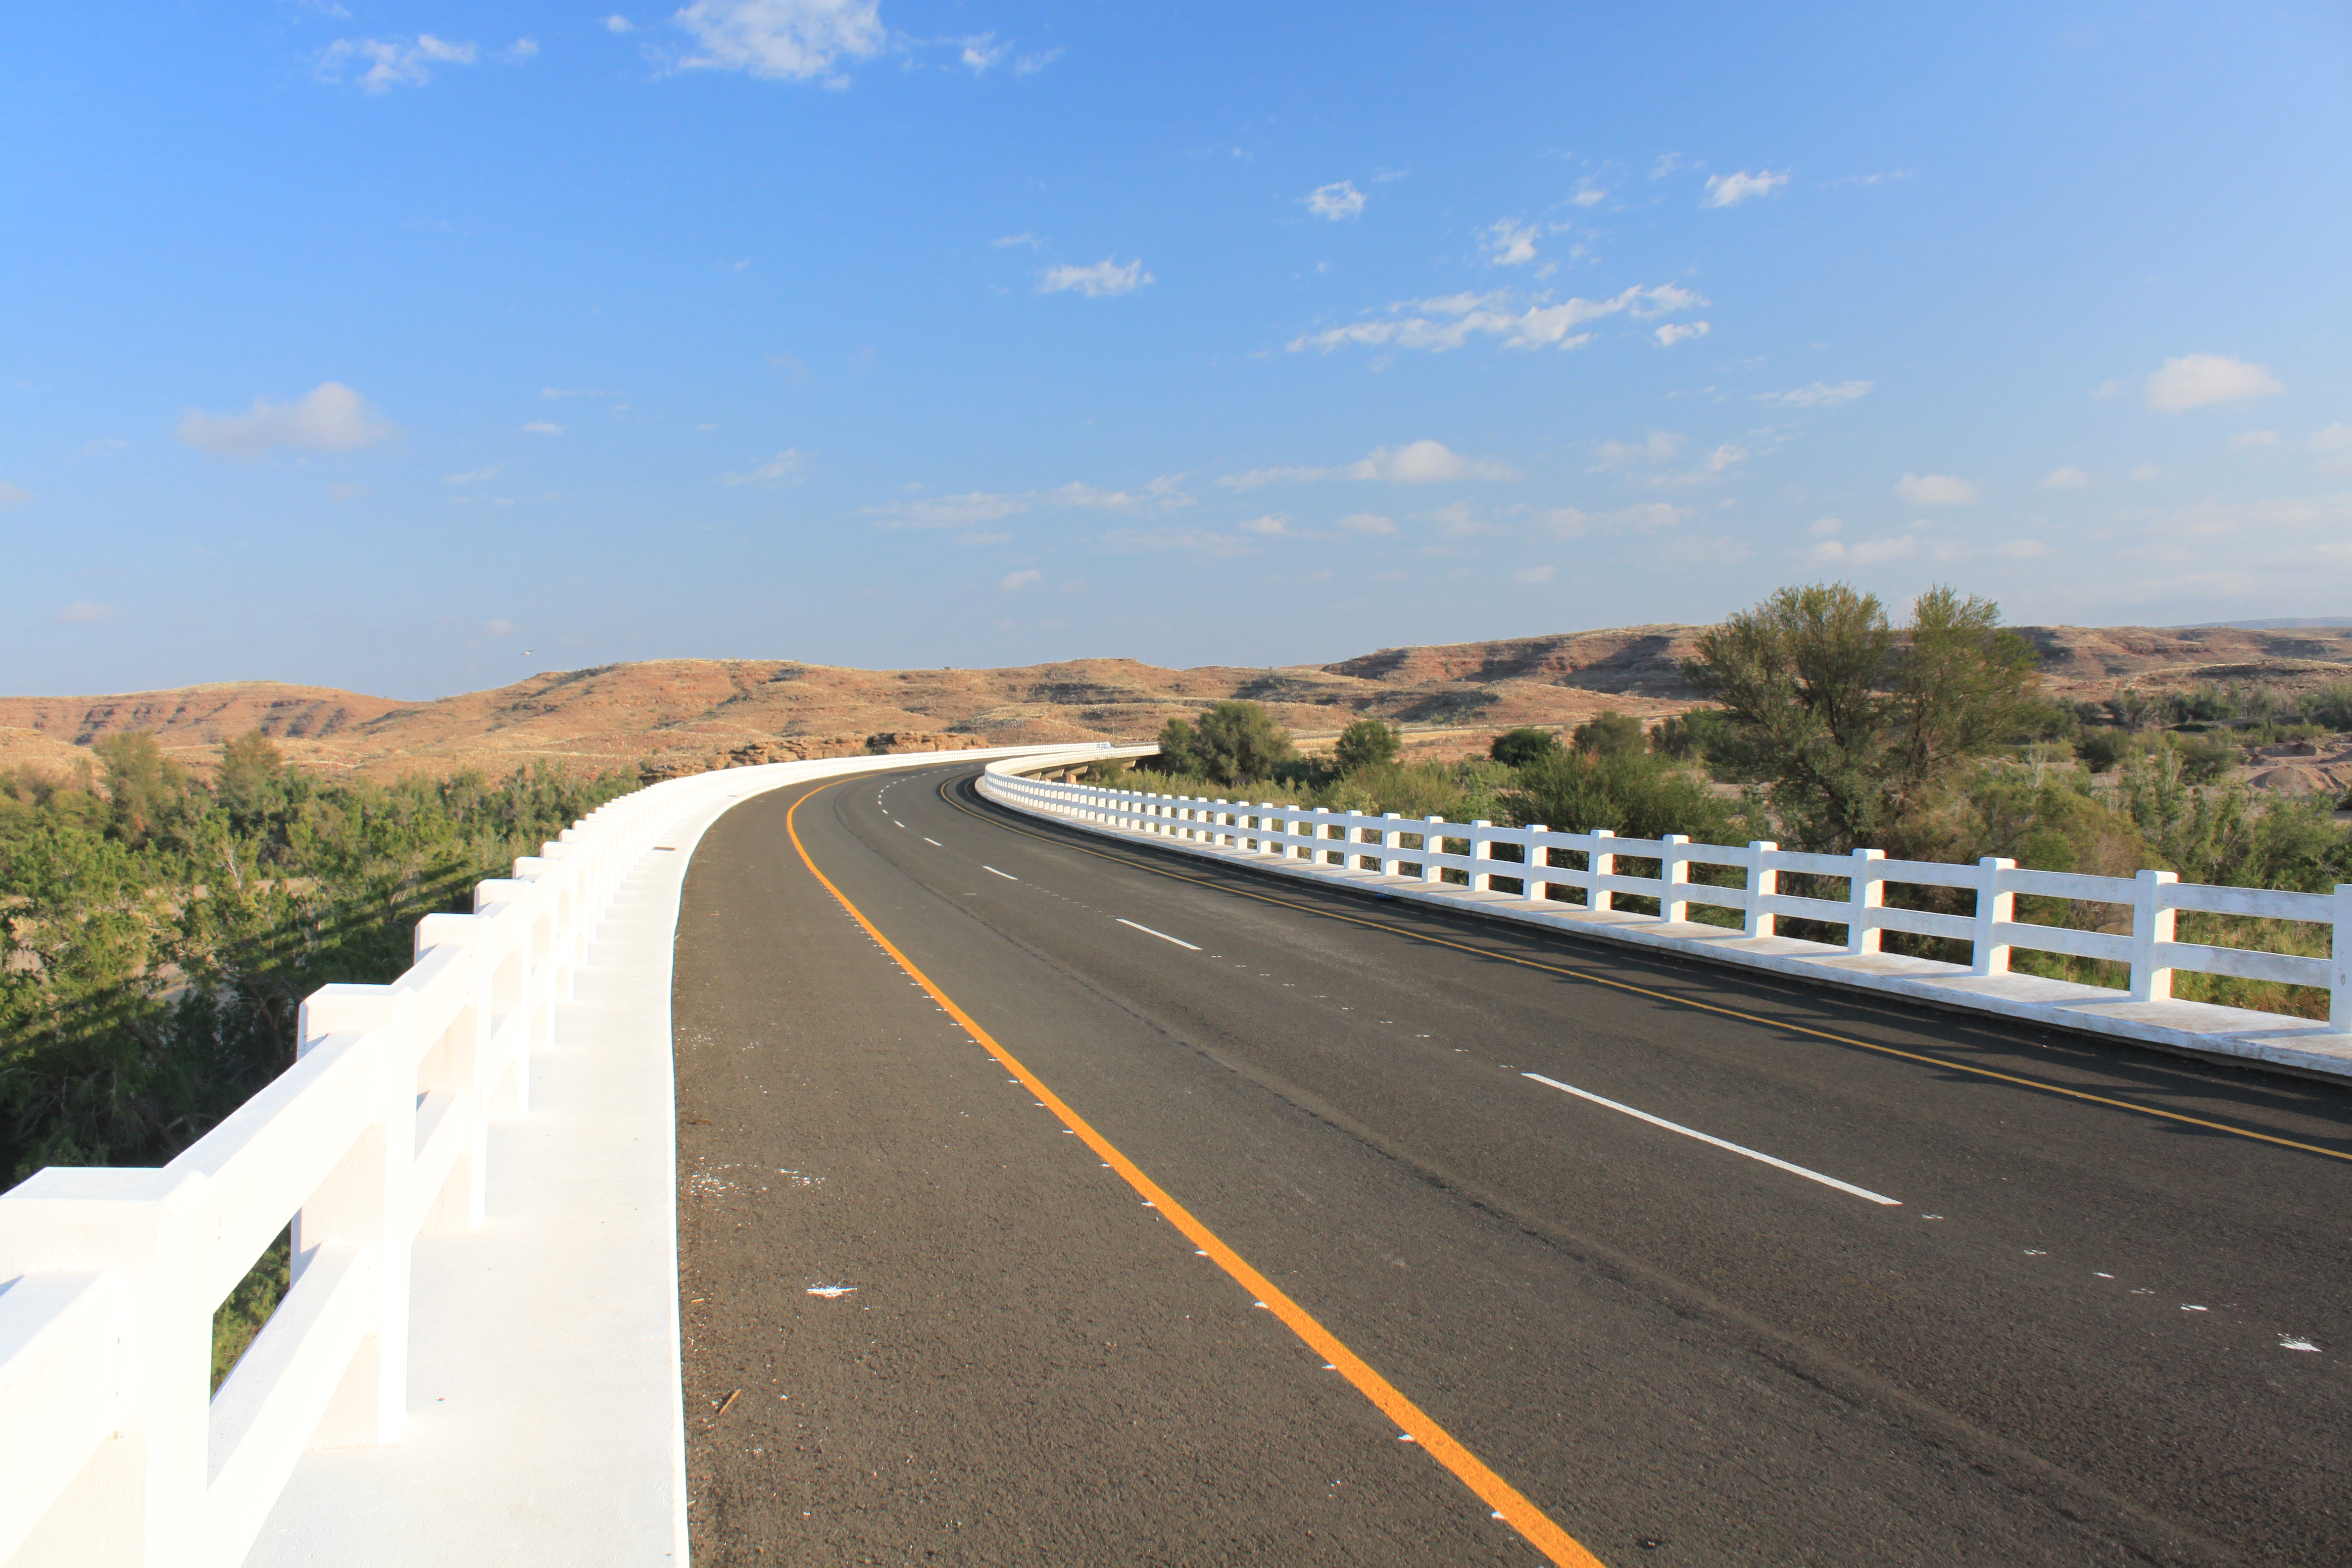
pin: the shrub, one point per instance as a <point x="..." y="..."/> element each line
<point x="1607" y="733"/>
<point x="1367" y="742"/>
<point x="1517" y="748"/>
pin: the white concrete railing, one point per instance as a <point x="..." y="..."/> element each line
<point x="1358" y="846"/>
<point x="112" y="1451"/>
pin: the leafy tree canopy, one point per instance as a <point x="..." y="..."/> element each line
<point x="1517" y="748"/>
<point x="1857" y="727"/>
<point x="1367" y="742"/>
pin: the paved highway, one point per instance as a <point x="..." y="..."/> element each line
<point x="992" y="1148"/>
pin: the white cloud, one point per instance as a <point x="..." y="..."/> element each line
<point x="1336" y="202"/>
<point x="1104" y="278"/>
<point x="2200" y="381"/>
<point x="789" y="466"/>
<point x="101" y="446"/>
<point x="2107" y="389"/>
<point x="498" y="627"/>
<point x="1510" y="244"/>
<point x="1197" y="541"/>
<point x="2022" y="549"/>
<point x="2335" y="445"/>
<point x="2254" y="440"/>
<point x="1450" y="320"/>
<point x="1014" y="581"/>
<point x="1589" y="194"/>
<point x="10" y="495"/>
<point x="785" y="40"/>
<point x="981" y="52"/>
<point x="557" y="394"/>
<point x="2067" y="480"/>
<point x="478" y="475"/>
<point x="1820" y="395"/>
<point x="1826" y="527"/>
<point x="1366" y="522"/>
<point x="1649" y="517"/>
<point x="1730" y="190"/>
<point x="329" y="417"/>
<point x="392" y="63"/>
<point x="1532" y="574"/>
<point x="1030" y="65"/>
<point x="1023" y="237"/>
<point x="1723" y="457"/>
<point x="1272" y="523"/>
<point x="1657" y="447"/>
<point x="1936" y="490"/>
<point x="616" y="23"/>
<point x="1673" y="332"/>
<point x="949" y="511"/>
<point x="86" y="613"/>
<point x="1414" y="463"/>
<point x="2146" y="471"/>
<point x="1162" y="495"/>
<point x="984" y="539"/>
<point x="1866" y="552"/>
<point x="542" y="427"/>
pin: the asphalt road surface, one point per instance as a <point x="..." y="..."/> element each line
<point x="934" y="1314"/>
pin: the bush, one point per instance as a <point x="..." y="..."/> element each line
<point x="1629" y="793"/>
<point x="1517" y="748"/>
<point x="2100" y="749"/>
<point x="1367" y="742"/>
<point x="1607" y="733"/>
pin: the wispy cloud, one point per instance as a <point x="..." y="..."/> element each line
<point x="1030" y="65"/>
<point x="11" y="495"/>
<point x="983" y="52"/>
<point x="1014" y="581"/>
<point x="1414" y="463"/>
<point x="1336" y="202"/>
<point x="1532" y="574"/>
<point x="1191" y="540"/>
<point x="329" y="417"/>
<point x="1673" y="332"/>
<point x="1510" y="243"/>
<point x="2201" y="380"/>
<point x="1450" y="322"/>
<point x="1105" y="278"/>
<point x="1023" y="237"/>
<point x="1159" y="497"/>
<point x="789" y="466"/>
<point x="1730" y="190"/>
<point x="782" y="41"/>
<point x="542" y="427"/>
<point x="479" y="476"/>
<point x="86" y="613"/>
<point x="1820" y="395"/>
<point x="1936" y="490"/>
<point x="2068" y="479"/>
<point x="1657" y="447"/>
<point x="392" y="63"/>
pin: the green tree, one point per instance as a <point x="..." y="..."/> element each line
<point x="1180" y="749"/>
<point x="250" y="770"/>
<point x="1855" y="726"/>
<point x="1367" y="742"/>
<point x="144" y="786"/>
<point x="1606" y="733"/>
<point x="1234" y="741"/>
<point x="1517" y="748"/>
<point x="1627" y="792"/>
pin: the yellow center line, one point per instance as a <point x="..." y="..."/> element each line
<point x="1496" y="1494"/>
<point x="1657" y="996"/>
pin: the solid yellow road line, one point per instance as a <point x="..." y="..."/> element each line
<point x="1496" y="1494"/>
<point x="1660" y="996"/>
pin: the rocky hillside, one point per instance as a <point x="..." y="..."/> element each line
<point x="684" y="714"/>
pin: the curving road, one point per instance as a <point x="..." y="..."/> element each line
<point x="1703" y="1267"/>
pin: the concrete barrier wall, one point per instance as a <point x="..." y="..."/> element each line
<point x="113" y="1451"/>
<point x="1461" y="863"/>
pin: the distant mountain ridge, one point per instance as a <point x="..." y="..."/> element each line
<point x="679" y="714"/>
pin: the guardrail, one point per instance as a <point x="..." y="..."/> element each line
<point x="1575" y="879"/>
<point x="112" y="1449"/>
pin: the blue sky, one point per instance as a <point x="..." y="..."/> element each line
<point x="413" y="348"/>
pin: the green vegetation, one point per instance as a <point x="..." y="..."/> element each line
<point x="1367" y="742"/>
<point x="159" y="935"/>
<point x="1230" y="743"/>
<point x="1836" y="729"/>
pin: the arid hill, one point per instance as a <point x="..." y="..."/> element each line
<point x="686" y="714"/>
